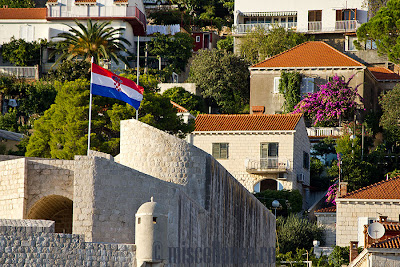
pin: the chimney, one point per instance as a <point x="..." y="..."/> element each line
<point x="342" y="189"/>
<point x="5" y="6"/>
<point x="382" y="219"/>
<point x="353" y="250"/>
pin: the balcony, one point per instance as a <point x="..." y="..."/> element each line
<point x="268" y="165"/>
<point x="322" y="132"/>
<point x="314" y="26"/>
<point x="347" y="25"/>
<point x="20" y="72"/>
<point x="246" y="28"/>
<point x="133" y="15"/>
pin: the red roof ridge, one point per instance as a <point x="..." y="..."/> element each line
<point x="244" y="115"/>
<point x="334" y="49"/>
<point x="393" y="242"/>
<point x="328" y="209"/>
<point x="179" y="107"/>
<point x="281" y="53"/>
<point x="257" y="65"/>
<point x="348" y="195"/>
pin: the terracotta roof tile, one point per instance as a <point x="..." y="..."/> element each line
<point x="393" y="242"/>
<point x="247" y="122"/>
<point x="388" y="189"/>
<point x="120" y="0"/>
<point x="179" y="108"/>
<point x="382" y="74"/>
<point x="52" y="1"/>
<point x="258" y="109"/>
<point x="328" y="209"/>
<point x="23" y="13"/>
<point x="309" y="54"/>
<point x="391" y="226"/>
<point x="88" y="1"/>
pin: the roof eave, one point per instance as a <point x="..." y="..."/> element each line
<point x="305" y="68"/>
<point x="244" y="132"/>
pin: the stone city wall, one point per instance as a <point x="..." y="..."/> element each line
<point x="34" y="243"/>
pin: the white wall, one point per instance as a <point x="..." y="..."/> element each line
<point x="328" y="8"/>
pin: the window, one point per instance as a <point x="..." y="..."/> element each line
<point x="350" y="43"/>
<point x="307" y="86"/>
<point x="314" y="15"/>
<point x="276" y="84"/>
<point x="346" y="14"/>
<point x="306" y="160"/>
<point x="220" y="150"/>
<point x="197" y="39"/>
<point x="269" y="155"/>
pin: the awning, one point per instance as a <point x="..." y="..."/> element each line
<point x="269" y="14"/>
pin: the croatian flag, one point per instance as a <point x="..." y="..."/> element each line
<point x="108" y="84"/>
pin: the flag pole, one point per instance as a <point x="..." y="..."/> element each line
<point x="137" y="73"/>
<point x="90" y="105"/>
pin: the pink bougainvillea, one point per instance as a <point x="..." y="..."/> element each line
<point x="334" y="99"/>
<point x="331" y="195"/>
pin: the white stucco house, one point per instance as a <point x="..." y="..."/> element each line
<point x="262" y="151"/>
<point x="33" y="24"/>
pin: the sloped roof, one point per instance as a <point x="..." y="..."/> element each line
<point x="179" y="107"/>
<point x="88" y="1"/>
<point x="309" y="54"/>
<point x="328" y="209"/>
<point x="393" y="242"/>
<point x="391" y="226"/>
<point x="23" y="13"/>
<point x="384" y="74"/>
<point x="247" y="122"/>
<point x="388" y="189"/>
<point x="10" y="135"/>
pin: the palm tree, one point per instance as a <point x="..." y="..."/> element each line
<point x="95" y="40"/>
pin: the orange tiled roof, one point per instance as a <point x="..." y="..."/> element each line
<point x="179" y="108"/>
<point x="52" y="1"/>
<point x="389" y="189"/>
<point x="393" y="242"/>
<point x="247" y="122"/>
<point x="120" y="0"/>
<point x="23" y="13"/>
<point x="382" y="74"/>
<point x="309" y="54"/>
<point x="88" y="1"/>
<point x="391" y="226"/>
<point x="329" y="209"/>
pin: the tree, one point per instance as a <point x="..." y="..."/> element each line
<point x="390" y="120"/>
<point x="22" y="53"/>
<point x="291" y="201"/>
<point x="191" y="102"/>
<point x="295" y="232"/>
<point x="335" y="100"/>
<point x="62" y="131"/>
<point x="177" y="49"/>
<point x="374" y="6"/>
<point x="260" y="43"/>
<point x="223" y="79"/>
<point x="384" y="29"/>
<point x="97" y="40"/>
<point x="226" y="44"/>
<point x="339" y="256"/>
<point x="70" y="70"/>
<point x="17" y="3"/>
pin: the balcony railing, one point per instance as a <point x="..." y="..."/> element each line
<point x="347" y="25"/>
<point x="109" y="11"/>
<point x="314" y="26"/>
<point x="245" y="28"/>
<point x="267" y="165"/>
<point x="324" y="131"/>
<point x="20" y="72"/>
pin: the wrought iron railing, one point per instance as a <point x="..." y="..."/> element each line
<point x="266" y="163"/>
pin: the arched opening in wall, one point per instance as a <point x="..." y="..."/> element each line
<point x="267" y="184"/>
<point x="56" y="208"/>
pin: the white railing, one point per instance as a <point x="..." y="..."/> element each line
<point x="347" y="25"/>
<point x="267" y="163"/>
<point x="19" y="72"/>
<point x="245" y="28"/>
<point x="324" y="131"/>
<point x="314" y="26"/>
<point x="109" y="11"/>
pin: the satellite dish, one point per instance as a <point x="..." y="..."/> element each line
<point x="376" y="230"/>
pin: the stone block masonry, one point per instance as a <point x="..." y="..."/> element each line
<point x="32" y="243"/>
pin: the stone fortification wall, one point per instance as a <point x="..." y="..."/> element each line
<point x="207" y="207"/>
<point x="13" y="193"/>
<point x="34" y="243"/>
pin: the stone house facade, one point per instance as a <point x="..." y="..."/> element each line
<point x="260" y="151"/>
<point x="327" y="218"/>
<point x="363" y="206"/>
<point x="316" y="62"/>
<point x="93" y="200"/>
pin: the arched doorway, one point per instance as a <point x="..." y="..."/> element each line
<point x="56" y="208"/>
